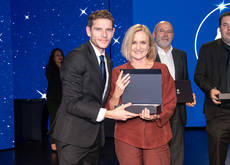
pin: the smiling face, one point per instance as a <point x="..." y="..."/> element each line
<point x="140" y="46"/>
<point x="225" y="29"/>
<point x="163" y="35"/>
<point x="100" y="33"/>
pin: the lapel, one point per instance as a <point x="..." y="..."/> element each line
<point x="94" y="62"/>
<point x="219" y="55"/>
<point x="176" y="63"/>
<point x="109" y="65"/>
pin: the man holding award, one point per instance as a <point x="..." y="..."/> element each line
<point x="176" y="61"/>
<point x="212" y="75"/>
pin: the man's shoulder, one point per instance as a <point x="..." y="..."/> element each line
<point x="79" y="51"/>
<point x="82" y="48"/>
<point x="179" y="51"/>
<point x="77" y="58"/>
<point x="214" y="43"/>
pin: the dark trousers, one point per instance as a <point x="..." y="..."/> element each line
<point x="177" y="142"/>
<point x="218" y="130"/>
<point x="74" y="155"/>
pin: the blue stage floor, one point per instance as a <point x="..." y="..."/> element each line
<point x="38" y="153"/>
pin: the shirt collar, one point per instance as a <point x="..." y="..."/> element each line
<point x="161" y="51"/>
<point x="98" y="54"/>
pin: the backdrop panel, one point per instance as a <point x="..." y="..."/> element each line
<point x="195" y="23"/>
<point x="6" y="79"/>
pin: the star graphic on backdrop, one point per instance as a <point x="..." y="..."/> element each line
<point x="83" y="11"/>
<point x="116" y="40"/>
<point x="222" y="6"/>
<point x="43" y="95"/>
<point x="117" y="26"/>
<point x="27" y="17"/>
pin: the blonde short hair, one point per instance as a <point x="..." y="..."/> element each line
<point x="128" y="39"/>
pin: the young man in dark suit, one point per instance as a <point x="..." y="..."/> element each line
<point x="212" y="75"/>
<point x="176" y="61"/>
<point x="85" y="76"/>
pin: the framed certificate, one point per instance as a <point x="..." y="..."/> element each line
<point x="144" y="90"/>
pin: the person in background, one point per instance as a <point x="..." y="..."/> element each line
<point x="176" y="61"/>
<point x="85" y="75"/>
<point x="144" y="139"/>
<point x="212" y="75"/>
<point x="54" y="90"/>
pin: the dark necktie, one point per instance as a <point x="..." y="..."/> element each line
<point x="103" y="71"/>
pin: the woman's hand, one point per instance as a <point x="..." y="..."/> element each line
<point x="121" y="84"/>
<point x="145" y="114"/>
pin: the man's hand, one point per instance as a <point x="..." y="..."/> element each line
<point x="214" y="96"/>
<point x="192" y="104"/>
<point x="120" y="113"/>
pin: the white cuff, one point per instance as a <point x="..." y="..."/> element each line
<point x="101" y="115"/>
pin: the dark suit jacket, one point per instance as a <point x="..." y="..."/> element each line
<point x="207" y="74"/>
<point x="82" y="98"/>
<point x="181" y="73"/>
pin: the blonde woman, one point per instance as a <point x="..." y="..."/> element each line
<point x="144" y="139"/>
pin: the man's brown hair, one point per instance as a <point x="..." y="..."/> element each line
<point x="105" y="14"/>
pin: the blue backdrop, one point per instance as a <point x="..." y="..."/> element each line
<point x="31" y="29"/>
<point x="6" y="79"/>
<point x="194" y="24"/>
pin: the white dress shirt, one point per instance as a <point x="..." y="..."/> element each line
<point x="101" y="114"/>
<point x="167" y="59"/>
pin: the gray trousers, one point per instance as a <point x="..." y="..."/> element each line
<point x="177" y="142"/>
